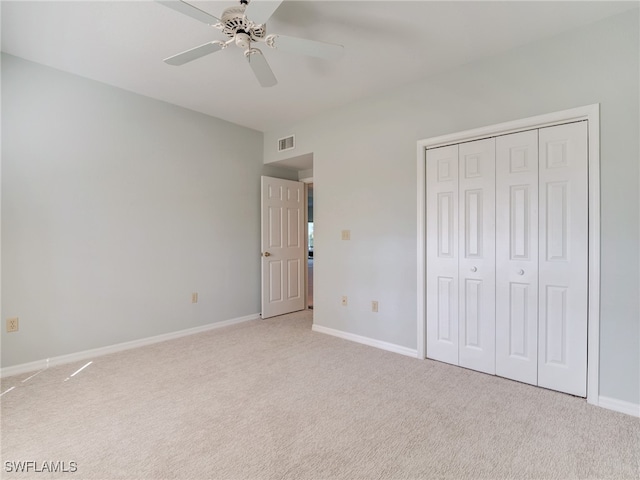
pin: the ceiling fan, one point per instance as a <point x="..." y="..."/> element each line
<point x="245" y="25"/>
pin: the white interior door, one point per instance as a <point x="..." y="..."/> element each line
<point x="517" y="256"/>
<point x="563" y="260"/>
<point x="442" y="254"/>
<point x="283" y="246"/>
<point x="477" y="262"/>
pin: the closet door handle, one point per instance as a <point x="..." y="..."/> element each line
<point x="521" y="272"/>
<point x="474" y="269"/>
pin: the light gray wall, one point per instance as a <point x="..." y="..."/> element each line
<point x="365" y="180"/>
<point x="115" y="208"/>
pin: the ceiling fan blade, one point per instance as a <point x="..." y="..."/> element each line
<point x="259" y="11"/>
<point x="261" y="68"/>
<point x="194" y="53"/>
<point x="191" y="11"/>
<point x="312" y="48"/>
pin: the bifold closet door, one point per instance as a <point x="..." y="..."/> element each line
<point x="517" y="256"/>
<point x="563" y="258"/>
<point x="477" y="263"/>
<point x="442" y="254"/>
<point x="507" y="256"/>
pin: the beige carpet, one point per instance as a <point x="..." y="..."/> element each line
<point x="271" y="399"/>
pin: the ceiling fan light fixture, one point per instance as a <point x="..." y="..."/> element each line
<point x="243" y="40"/>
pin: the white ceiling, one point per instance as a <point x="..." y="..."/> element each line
<point x="387" y="44"/>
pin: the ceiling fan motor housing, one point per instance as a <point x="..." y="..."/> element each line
<point x="235" y="23"/>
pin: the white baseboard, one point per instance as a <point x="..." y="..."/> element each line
<point x="619" y="406"/>
<point x="97" y="352"/>
<point x="391" y="347"/>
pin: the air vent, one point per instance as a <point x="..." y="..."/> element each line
<point x="287" y="143"/>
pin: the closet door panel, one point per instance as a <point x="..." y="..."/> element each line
<point x="563" y="289"/>
<point x="517" y="256"/>
<point x="476" y="270"/>
<point x="442" y="254"/>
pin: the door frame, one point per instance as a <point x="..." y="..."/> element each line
<point x="590" y="113"/>
<point x="307" y="181"/>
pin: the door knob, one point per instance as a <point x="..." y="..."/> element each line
<point x="266" y="254"/>
<point x="520" y="272"/>
<point x="474" y="269"/>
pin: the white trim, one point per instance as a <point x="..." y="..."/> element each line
<point x="591" y="113"/>
<point x="621" y="406"/>
<point x="391" y="347"/>
<point x="305" y="239"/>
<point x="119" y="347"/>
<point x="422" y="242"/>
<point x="539" y="121"/>
<point x="593" y="335"/>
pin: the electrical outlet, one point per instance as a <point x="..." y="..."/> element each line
<point x="346" y="234"/>
<point x="344" y="301"/>
<point x="12" y="324"/>
<point x="374" y="306"/>
<point x="194" y="297"/>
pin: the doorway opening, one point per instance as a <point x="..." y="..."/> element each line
<point x="298" y="169"/>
